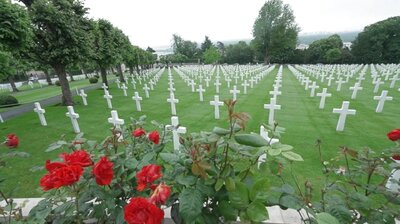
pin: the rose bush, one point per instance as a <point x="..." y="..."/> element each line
<point x="215" y="177"/>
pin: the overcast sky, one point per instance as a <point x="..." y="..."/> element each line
<point x="152" y="22"/>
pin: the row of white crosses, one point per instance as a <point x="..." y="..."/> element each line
<point x="272" y="106"/>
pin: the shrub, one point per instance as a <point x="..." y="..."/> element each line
<point x="93" y="80"/>
<point x="97" y="76"/>
<point x="7" y="100"/>
<point x="57" y="83"/>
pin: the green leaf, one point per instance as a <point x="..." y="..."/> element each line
<point x="53" y="147"/>
<point x="290" y="201"/>
<point x="240" y="196"/>
<point x="186" y="180"/>
<point x="257" y="212"/>
<point x="219" y="184"/>
<point x="260" y="190"/>
<point x="146" y="160"/>
<point x="170" y="158"/>
<point x="190" y="204"/>
<point x="282" y="147"/>
<point x="326" y="218"/>
<point x="230" y="184"/>
<point x="221" y="131"/>
<point x="226" y="209"/>
<point x="131" y="163"/>
<point x="292" y="156"/>
<point x="274" y="151"/>
<point x="253" y="140"/>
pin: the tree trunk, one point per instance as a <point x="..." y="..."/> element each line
<point x="66" y="92"/>
<point x="83" y="72"/>
<point x="12" y="83"/>
<point x="103" y="73"/>
<point x="71" y="77"/>
<point x="48" y="79"/>
<point x="131" y="70"/>
<point x="120" y="73"/>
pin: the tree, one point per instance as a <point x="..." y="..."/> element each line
<point x="211" y="55"/>
<point x="15" y="36"/>
<point x="275" y="31"/>
<point x="318" y="50"/>
<point x="240" y="53"/>
<point x="378" y="42"/>
<point x="185" y="47"/>
<point x="206" y="44"/>
<point x="151" y="50"/>
<point x="61" y="37"/>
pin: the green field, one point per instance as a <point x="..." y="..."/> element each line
<point x="304" y="122"/>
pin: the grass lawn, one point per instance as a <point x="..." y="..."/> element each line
<point x="300" y="115"/>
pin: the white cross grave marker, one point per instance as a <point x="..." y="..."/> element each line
<point x="234" y="92"/>
<point x="272" y="106"/>
<point x="275" y="92"/>
<point x="74" y="116"/>
<point x="381" y="100"/>
<point x="173" y="101"/>
<point x="216" y="103"/>
<point x="115" y="120"/>
<point x="245" y="85"/>
<point x="146" y="90"/>
<point x="377" y="83"/>
<point x="105" y="87"/>
<point x="176" y="130"/>
<point x="355" y="89"/>
<point x="323" y="95"/>
<point x="344" y="111"/>
<point x="84" y="96"/>
<point x="201" y="90"/>
<point x="40" y="112"/>
<point x="217" y="84"/>
<point x="313" y="86"/>
<point x="108" y="97"/>
<point x="118" y="83"/>
<point x="192" y="84"/>
<point x="137" y="100"/>
<point x="339" y="84"/>
<point x="124" y="88"/>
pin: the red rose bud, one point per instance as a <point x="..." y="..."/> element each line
<point x="160" y="194"/>
<point x="12" y="141"/>
<point x="154" y="137"/>
<point x="147" y="176"/>
<point x="138" y="132"/>
<point x="141" y="211"/>
<point x="103" y="171"/>
<point x="78" y="157"/>
<point x="63" y="176"/>
<point x="396" y="157"/>
<point x="394" y="135"/>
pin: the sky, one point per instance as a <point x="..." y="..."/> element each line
<point x="153" y="22"/>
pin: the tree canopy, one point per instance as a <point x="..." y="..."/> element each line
<point x="275" y="32"/>
<point x="378" y="42"/>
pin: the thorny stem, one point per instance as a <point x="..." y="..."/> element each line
<point x="370" y="172"/>
<point x="348" y="168"/>
<point x="78" y="218"/>
<point x="295" y="181"/>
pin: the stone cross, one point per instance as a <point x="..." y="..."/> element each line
<point x="339" y="84"/>
<point x="216" y="103"/>
<point x="172" y="101"/>
<point x="1" y="119"/>
<point x="329" y="78"/>
<point x="323" y="95"/>
<point x="228" y="82"/>
<point x="192" y="84"/>
<point x="252" y="82"/>
<point x="40" y="112"/>
<point x="245" y="85"/>
<point x="108" y="97"/>
<point x="394" y="79"/>
<point x="124" y="88"/>
<point x="313" y="86"/>
<point x="118" y="83"/>
<point x="272" y="106"/>
<point x="151" y="84"/>
<point x="275" y="92"/>
<point x="133" y="83"/>
<point x="377" y="83"/>
<point x="171" y="87"/>
<point x="344" y="111"/>
<point x="234" y="92"/>
<point x="84" y="96"/>
<point x="115" y="120"/>
<point x="176" y="130"/>
<point x="74" y="118"/>
<point x="381" y="100"/>
<point x="207" y="79"/>
<point x="264" y="134"/>
<point x="30" y="83"/>
<point x="105" y="87"/>
<point x="307" y="83"/>
<point x="137" y="100"/>
<point x="217" y="84"/>
<point x="355" y="89"/>
<point x="201" y="90"/>
<point x="146" y="90"/>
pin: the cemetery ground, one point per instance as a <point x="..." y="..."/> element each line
<point x="300" y="115"/>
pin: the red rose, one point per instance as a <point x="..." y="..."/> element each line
<point x="62" y="176"/>
<point x="12" y="141"/>
<point x="141" y="211"/>
<point x="51" y="166"/>
<point x="147" y="175"/>
<point x="154" y="137"/>
<point x="160" y="194"/>
<point x="396" y="157"/>
<point x="103" y="171"/>
<point x="78" y="157"/>
<point x="138" y="132"/>
<point x="394" y="135"/>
